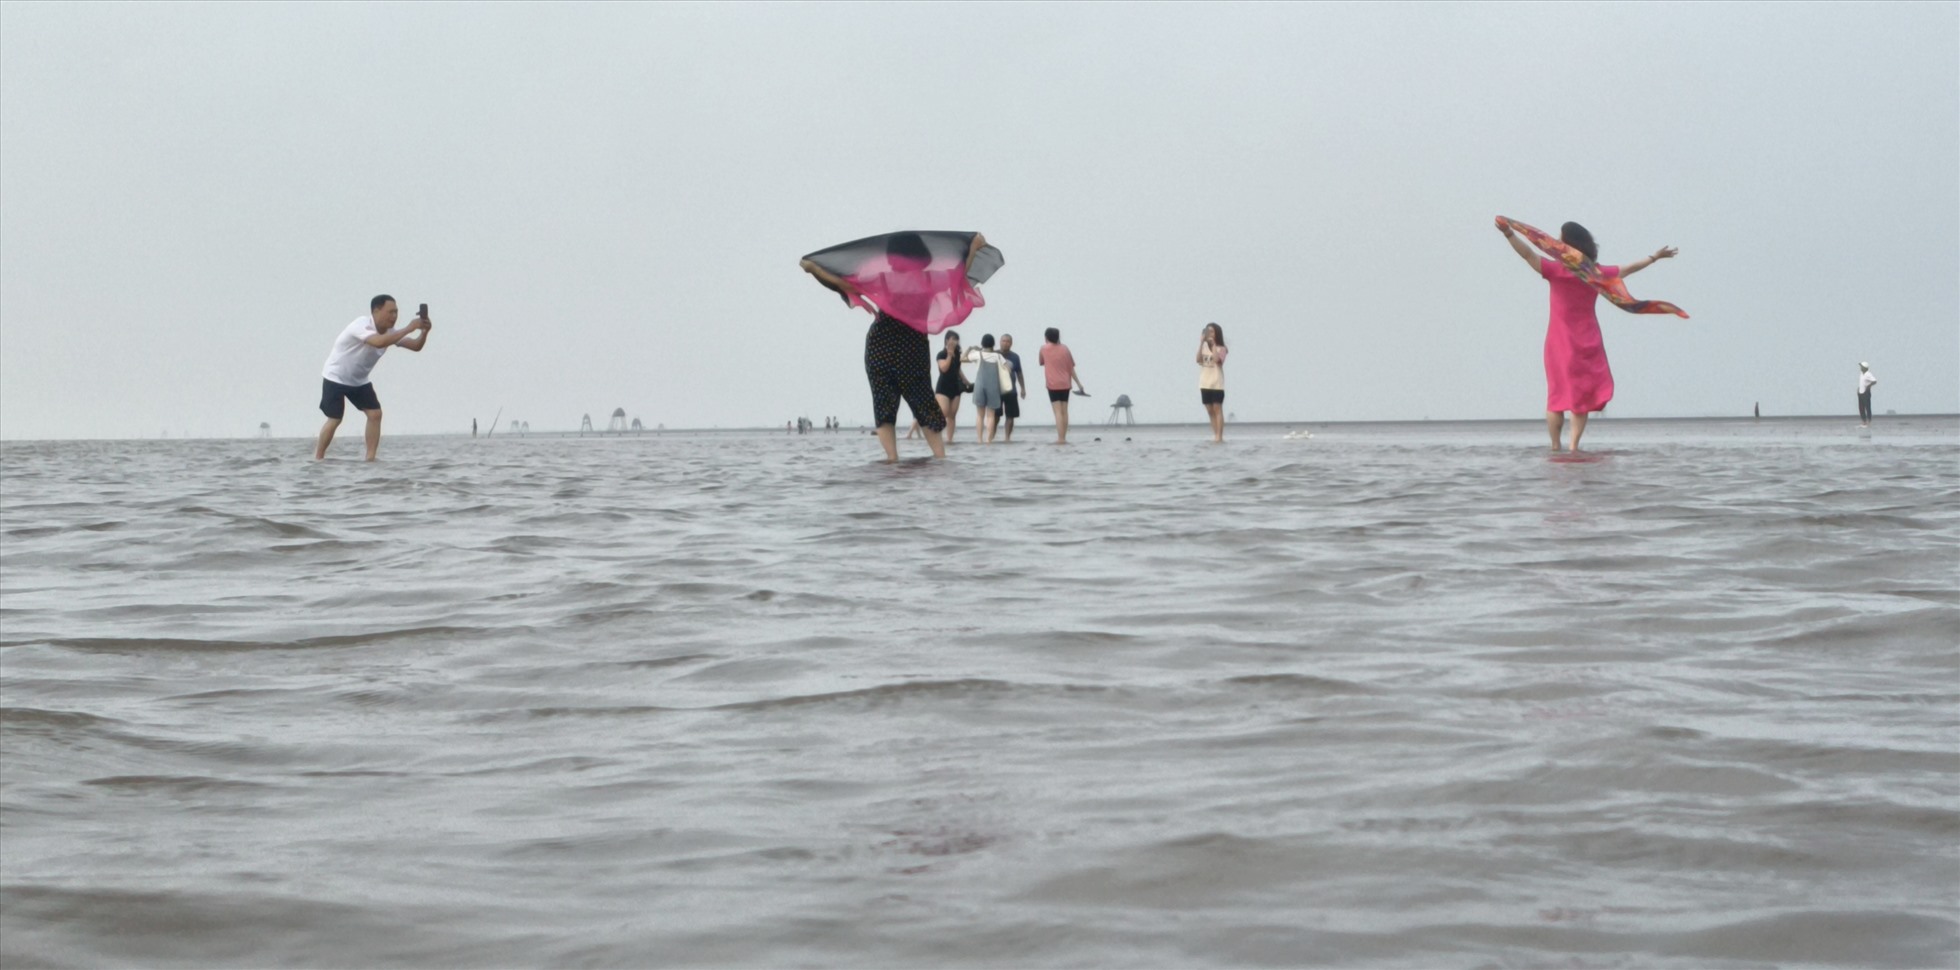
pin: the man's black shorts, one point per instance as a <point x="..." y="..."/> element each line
<point x="1010" y="404"/>
<point x="1058" y="397"/>
<point x="333" y="398"/>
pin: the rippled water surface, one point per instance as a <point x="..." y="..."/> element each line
<point x="1394" y="696"/>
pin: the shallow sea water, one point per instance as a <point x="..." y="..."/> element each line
<point x="1395" y="696"/>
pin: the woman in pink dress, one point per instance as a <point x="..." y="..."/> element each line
<point x="1577" y="379"/>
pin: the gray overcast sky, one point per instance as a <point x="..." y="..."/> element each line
<point x="604" y="204"/>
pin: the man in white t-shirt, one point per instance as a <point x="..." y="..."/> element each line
<point x="1865" y="381"/>
<point x="355" y="352"/>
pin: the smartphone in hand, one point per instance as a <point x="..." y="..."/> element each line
<point x="423" y="312"/>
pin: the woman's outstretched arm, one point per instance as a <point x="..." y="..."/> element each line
<point x="827" y="278"/>
<point x="1524" y="252"/>
<point x="1665" y="252"/>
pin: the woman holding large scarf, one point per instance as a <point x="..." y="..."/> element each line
<point x="1577" y="378"/>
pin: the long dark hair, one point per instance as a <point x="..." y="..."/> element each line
<point x="1221" y="333"/>
<point x="1576" y="236"/>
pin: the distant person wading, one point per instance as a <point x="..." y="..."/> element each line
<point x="1211" y="377"/>
<point x="355" y="352"/>
<point x="1865" y="381"/>
<point x="1058" y="372"/>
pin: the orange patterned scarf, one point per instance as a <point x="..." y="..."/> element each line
<point x="1610" y="287"/>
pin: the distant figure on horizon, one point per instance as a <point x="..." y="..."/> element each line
<point x="1865" y="381"/>
<point x="355" y="352"/>
<point x="1211" y="377"/>
<point x="1016" y="392"/>
<point x="1058" y="371"/>
<point x="472" y="427"/>
<point x="1577" y="378"/>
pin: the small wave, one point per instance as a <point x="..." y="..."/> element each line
<point x="271" y="527"/>
<point x="1650" y="565"/>
<point x="883" y="695"/>
<point x="1869" y="815"/>
<point x="1201" y="871"/>
<point x="526" y="545"/>
<point x="1301" y="684"/>
<point x="687" y="589"/>
<point x="169" y="645"/>
<point x="1085" y="638"/>
<point x="1835" y="760"/>
<point x="324" y="546"/>
<point x="34" y="720"/>
<point x="654" y="663"/>
<point x="547" y="766"/>
<point x="1863" y="938"/>
<point x="1861" y="521"/>
<point x="175" y="784"/>
<point x="1935" y="594"/>
<point x="61" y="926"/>
<point x="626" y="711"/>
<point x="1929" y="625"/>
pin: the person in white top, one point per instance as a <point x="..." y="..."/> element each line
<point x="1865" y="381"/>
<point x="355" y="352"/>
<point x="1211" y="377"/>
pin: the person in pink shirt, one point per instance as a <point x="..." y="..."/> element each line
<point x="1577" y="378"/>
<point x="1058" y="366"/>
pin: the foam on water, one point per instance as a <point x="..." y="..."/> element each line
<point x="1397" y="696"/>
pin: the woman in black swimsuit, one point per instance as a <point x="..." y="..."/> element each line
<point x="951" y="384"/>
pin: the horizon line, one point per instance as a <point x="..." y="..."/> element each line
<point x="717" y="429"/>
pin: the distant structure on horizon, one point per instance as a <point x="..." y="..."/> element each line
<point x="584" y="425"/>
<point x="1120" y="413"/>
<point x="265" y="429"/>
<point x="637" y="427"/>
<point x="617" y="423"/>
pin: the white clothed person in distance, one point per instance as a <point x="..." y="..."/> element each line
<point x="1865" y="381"/>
